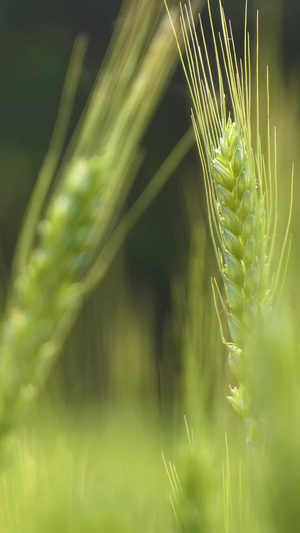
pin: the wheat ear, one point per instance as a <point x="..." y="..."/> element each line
<point x="49" y="291"/>
<point x="240" y="189"/>
<point x="55" y="266"/>
<point x="243" y="247"/>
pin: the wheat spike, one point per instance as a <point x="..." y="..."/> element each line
<point x="240" y="187"/>
<point x="54" y="267"/>
<point x="243" y="245"/>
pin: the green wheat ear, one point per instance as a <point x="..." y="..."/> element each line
<point x="242" y="220"/>
<point x="72" y="229"/>
<point x="240" y="189"/>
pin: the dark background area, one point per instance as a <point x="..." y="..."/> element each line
<point x="36" y="40"/>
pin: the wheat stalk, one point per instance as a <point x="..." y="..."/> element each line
<point x="240" y="189"/>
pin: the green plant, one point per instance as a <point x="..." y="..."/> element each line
<point x="241" y="192"/>
<point x="70" y="233"/>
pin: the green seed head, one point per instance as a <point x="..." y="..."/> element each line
<point x="247" y="203"/>
<point x="249" y="251"/>
<point x="236" y="330"/>
<point x="248" y="227"/>
<point x="232" y="243"/>
<point x="252" y="279"/>
<point x="230" y="220"/>
<point x="239" y="401"/>
<point x="234" y="268"/>
<point x="225" y="197"/>
<point x="235" y="296"/>
<point x="237" y="161"/>
<point x="222" y="173"/>
<point x="237" y="362"/>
